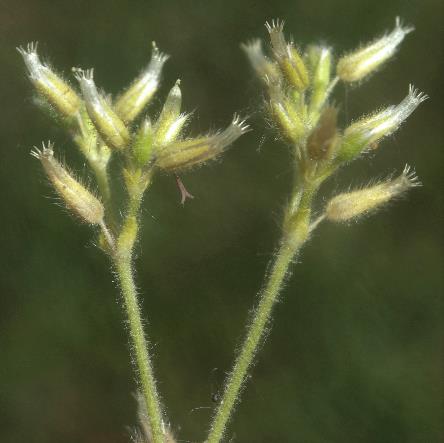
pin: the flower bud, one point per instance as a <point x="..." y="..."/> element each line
<point x="368" y="130"/>
<point x="55" y="90"/>
<point x="358" y="64"/>
<point x="350" y="205"/>
<point x="175" y="129"/>
<point x="319" y="58"/>
<point x="131" y="102"/>
<point x="170" y="122"/>
<point x="144" y="143"/>
<point x="110" y="127"/>
<point x="287" y="56"/>
<point x="265" y="69"/>
<point x="76" y="197"/>
<point x="192" y="152"/>
<point x="287" y="117"/>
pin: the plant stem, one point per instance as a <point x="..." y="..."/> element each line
<point x="123" y="260"/>
<point x="140" y="349"/>
<point x="290" y="246"/>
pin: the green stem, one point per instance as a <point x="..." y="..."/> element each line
<point x="290" y="246"/>
<point x="103" y="183"/>
<point x="123" y="260"/>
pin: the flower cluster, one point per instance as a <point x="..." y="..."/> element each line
<point x="298" y="86"/>
<point x="101" y="126"/>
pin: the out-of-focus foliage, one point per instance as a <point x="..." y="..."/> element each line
<point x="352" y="362"/>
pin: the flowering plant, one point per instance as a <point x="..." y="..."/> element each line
<point x="298" y="85"/>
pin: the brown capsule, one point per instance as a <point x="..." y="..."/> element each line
<point x="321" y="142"/>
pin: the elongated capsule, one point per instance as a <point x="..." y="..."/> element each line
<point x="350" y="205"/>
<point x="368" y="130"/>
<point x="362" y="62"/>
<point x="76" y="197"/>
<point x="132" y="101"/>
<point x="108" y="124"/>
<point x="53" y="88"/>
<point x="193" y="152"/>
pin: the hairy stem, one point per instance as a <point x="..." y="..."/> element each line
<point x="140" y="349"/>
<point x="290" y="246"/>
<point x="123" y="261"/>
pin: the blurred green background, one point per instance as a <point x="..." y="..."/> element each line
<point x="356" y="349"/>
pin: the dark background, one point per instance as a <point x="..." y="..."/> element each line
<point x="355" y="353"/>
